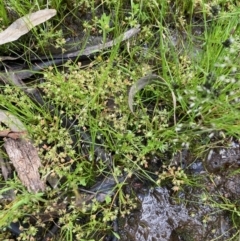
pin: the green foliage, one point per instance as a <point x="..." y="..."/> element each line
<point x="104" y="24"/>
<point x="3" y="14"/>
<point x="201" y="79"/>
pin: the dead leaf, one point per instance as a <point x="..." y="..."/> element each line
<point x="24" y="24"/>
<point x="140" y="84"/>
<point x="4" y="133"/>
<point x="147" y="80"/>
<point x="11" y="122"/>
<point x="99" y="47"/>
<point x="12" y="134"/>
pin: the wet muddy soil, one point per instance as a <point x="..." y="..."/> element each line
<point x="199" y="212"/>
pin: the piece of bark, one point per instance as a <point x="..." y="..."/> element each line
<point x="5" y="168"/>
<point x="6" y="171"/>
<point x="26" y="161"/>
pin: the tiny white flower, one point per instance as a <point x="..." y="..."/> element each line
<point x="192" y="105"/>
<point x="199" y="88"/>
<point x="232" y="80"/>
<point x="222" y="78"/>
<point x="211" y="135"/>
<point x="226" y="58"/>
<point x="193" y="98"/>
<point x="180" y="97"/>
